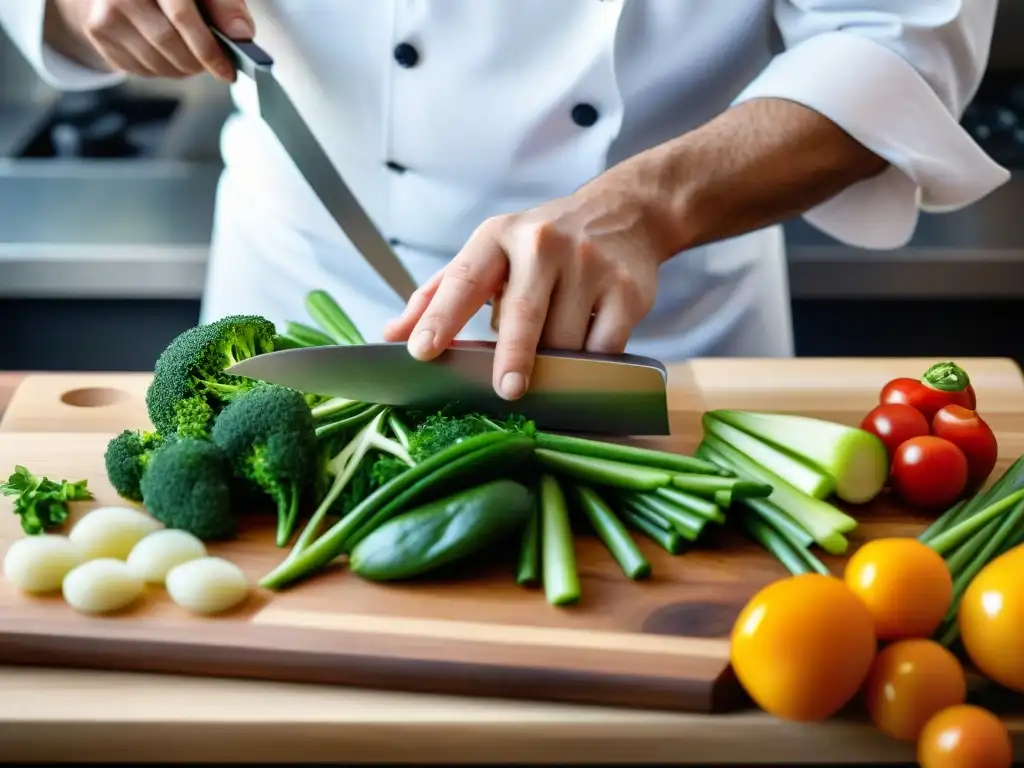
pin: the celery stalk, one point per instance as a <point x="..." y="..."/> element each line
<point x="804" y="478"/>
<point x="824" y="522"/>
<point x="853" y="458"/>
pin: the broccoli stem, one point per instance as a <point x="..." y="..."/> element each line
<point x="288" y="514"/>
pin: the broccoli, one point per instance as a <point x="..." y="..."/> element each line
<point x="187" y="485"/>
<point x="126" y="458"/>
<point x="269" y="436"/>
<point x="189" y="385"/>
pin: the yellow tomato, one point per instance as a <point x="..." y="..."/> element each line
<point x="905" y="584"/>
<point x="965" y="736"/>
<point x="909" y="682"/>
<point x="991" y="617"/>
<point x="802" y="646"/>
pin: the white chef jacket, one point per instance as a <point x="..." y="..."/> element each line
<point x="441" y="113"/>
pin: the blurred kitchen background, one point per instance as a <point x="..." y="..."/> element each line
<point x="106" y="205"/>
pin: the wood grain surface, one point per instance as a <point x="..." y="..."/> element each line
<point x="707" y="586"/>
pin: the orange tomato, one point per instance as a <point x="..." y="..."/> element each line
<point x="908" y="683"/>
<point x="991" y="618"/>
<point x="905" y="584"/>
<point x="802" y="646"/>
<point x="964" y="736"/>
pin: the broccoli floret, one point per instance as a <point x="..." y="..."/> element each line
<point x="126" y="459"/>
<point x="269" y="436"/>
<point x="189" y="385"/>
<point x="187" y="485"/>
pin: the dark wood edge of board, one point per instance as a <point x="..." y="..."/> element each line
<point x="281" y="654"/>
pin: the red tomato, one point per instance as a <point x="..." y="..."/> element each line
<point x="933" y="391"/>
<point x="929" y="472"/>
<point x="968" y="432"/>
<point x="894" y="424"/>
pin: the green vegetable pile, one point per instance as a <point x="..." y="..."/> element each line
<point x="396" y="493"/>
<point x="973" y="533"/>
<point x="805" y="461"/>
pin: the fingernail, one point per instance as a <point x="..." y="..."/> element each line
<point x="513" y="386"/>
<point x="239" y="28"/>
<point x="422" y="343"/>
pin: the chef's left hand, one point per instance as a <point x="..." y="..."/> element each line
<point x="576" y="273"/>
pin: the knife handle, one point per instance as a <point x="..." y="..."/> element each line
<point x="244" y="54"/>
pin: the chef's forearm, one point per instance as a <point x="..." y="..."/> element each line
<point x="60" y="37"/>
<point x="756" y="164"/>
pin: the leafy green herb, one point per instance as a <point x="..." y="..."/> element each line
<point x="42" y="503"/>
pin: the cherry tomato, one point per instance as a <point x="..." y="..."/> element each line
<point x="802" y="646"/>
<point x="908" y="683"/>
<point x="941" y="385"/>
<point x="905" y="584"/>
<point x="894" y="424"/>
<point x="929" y="472"/>
<point x="965" y="736"/>
<point x="968" y="432"/>
<point x="991" y="619"/>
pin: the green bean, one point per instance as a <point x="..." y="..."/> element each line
<point x="284" y="341"/>
<point x="791" y="557"/>
<point x="706" y="485"/>
<point x="787" y="527"/>
<point x="685" y="523"/>
<point x="528" y="572"/>
<point x="613" y="533"/>
<point x="603" y="471"/>
<point x="628" y="454"/>
<point x="332" y="319"/>
<point x="691" y="503"/>
<point x="311" y="337"/>
<point x="667" y="539"/>
<point x="558" y="558"/>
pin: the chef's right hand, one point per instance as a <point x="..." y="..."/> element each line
<point x="157" y="38"/>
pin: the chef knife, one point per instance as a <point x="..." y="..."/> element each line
<point x="569" y="391"/>
<point x="291" y="130"/>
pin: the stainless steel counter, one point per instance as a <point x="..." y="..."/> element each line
<point x="131" y="229"/>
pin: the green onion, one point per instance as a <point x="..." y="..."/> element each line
<point x="603" y="471"/>
<point x="627" y="454"/>
<point x="528" y="572"/>
<point x="667" y="539"/>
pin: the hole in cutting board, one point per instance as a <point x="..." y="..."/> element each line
<point x="93" y="397"/>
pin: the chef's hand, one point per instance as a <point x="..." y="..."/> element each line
<point x="578" y="273"/>
<point x="152" y="38"/>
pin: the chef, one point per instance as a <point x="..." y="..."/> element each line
<point x="615" y="170"/>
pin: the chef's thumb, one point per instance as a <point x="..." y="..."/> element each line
<point x="231" y="17"/>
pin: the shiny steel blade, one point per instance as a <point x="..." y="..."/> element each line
<point x="569" y="391"/>
<point x="316" y="167"/>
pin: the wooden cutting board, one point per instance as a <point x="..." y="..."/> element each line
<point x="660" y="644"/>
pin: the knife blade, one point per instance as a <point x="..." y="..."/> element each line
<point x="569" y="391"/>
<point x="295" y="136"/>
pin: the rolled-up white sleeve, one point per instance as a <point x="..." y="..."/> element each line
<point x="22" y="20"/>
<point x="897" y="77"/>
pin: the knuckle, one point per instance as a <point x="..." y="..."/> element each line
<point x="524" y="309"/>
<point x="464" y="273"/>
<point x="164" y="33"/>
<point x="102" y="17"/>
